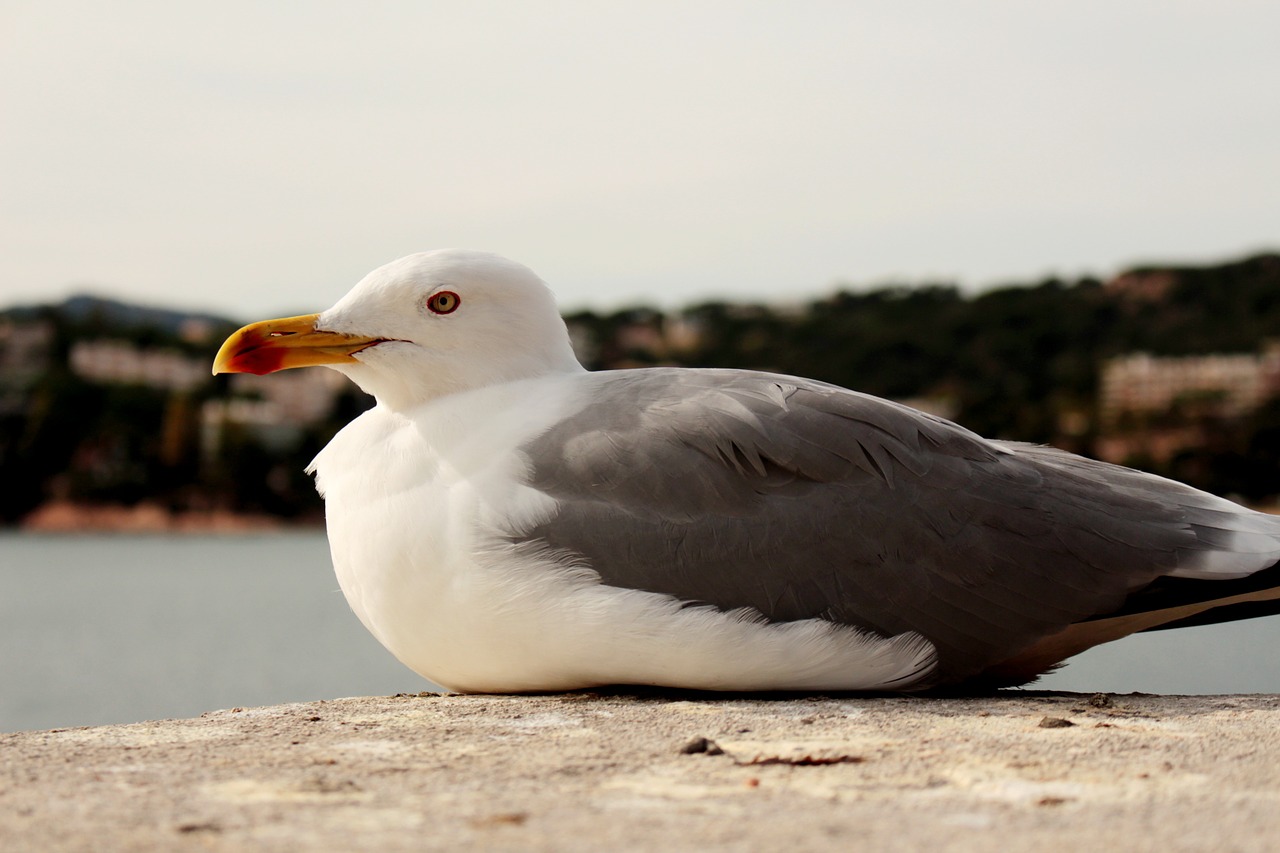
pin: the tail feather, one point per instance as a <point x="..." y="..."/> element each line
<point x="1169" y="602"/>
<point x="1236" y="543"/>
<point x="1170" y="593"/>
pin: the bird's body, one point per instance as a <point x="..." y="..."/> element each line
<point x="459" y="583"/>
<point x="505" y="521"/>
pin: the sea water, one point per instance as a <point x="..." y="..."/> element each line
<point x="123" y="628"/>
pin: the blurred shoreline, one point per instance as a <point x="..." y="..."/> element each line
<point x="61" y="516"/>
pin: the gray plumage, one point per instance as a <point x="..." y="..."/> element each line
<point x="800" y="499"/>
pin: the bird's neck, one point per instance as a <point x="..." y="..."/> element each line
<point x="402" y="391"/>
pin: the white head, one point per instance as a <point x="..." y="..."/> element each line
<point x="421" y="327"/>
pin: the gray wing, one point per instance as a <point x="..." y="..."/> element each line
<point x="800" y="499"/>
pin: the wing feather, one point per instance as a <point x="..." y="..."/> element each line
<point x="803" y="500"/>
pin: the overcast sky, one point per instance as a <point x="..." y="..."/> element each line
<point x="255" y="157"/>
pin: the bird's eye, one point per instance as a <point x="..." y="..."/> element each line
<point x="444" y="302"/>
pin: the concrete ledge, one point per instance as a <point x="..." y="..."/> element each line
<point x="1021" y="771"/>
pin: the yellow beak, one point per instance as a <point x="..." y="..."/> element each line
<point x="289" y="342"/>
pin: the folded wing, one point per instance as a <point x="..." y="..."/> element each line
<point x="801" y="500"/>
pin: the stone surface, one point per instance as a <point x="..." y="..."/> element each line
<point x="660" y="771"/>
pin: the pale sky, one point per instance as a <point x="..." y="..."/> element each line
<point x="254" y="158"/>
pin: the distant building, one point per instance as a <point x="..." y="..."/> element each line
<point x="276" y="409"/>
<point x="1156" y="408"/>
<point x="24" y="351"/>
<point x="303" y="397"/>
<point x="265" y="421"/>
<point x="121" y="362"/>
<point x="683" y="333"/>
<point x="1143" y="384"/>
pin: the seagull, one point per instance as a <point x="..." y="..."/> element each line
<point x="504" y="520"/>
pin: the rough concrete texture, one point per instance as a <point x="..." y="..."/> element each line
<point x="1020" y="771"/>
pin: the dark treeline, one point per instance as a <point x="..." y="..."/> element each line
<point x="1020" y="362"/>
